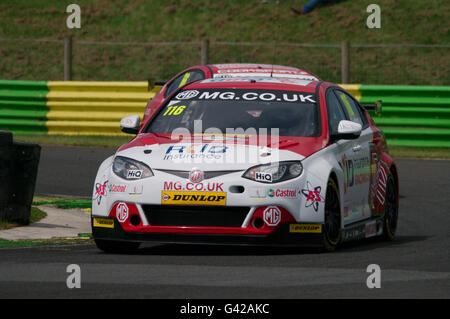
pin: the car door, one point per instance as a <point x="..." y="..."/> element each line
<point x="355" y="161"/>
<point x="343" y="150"/>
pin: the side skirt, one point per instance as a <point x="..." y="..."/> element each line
<point x="363" y="229"/>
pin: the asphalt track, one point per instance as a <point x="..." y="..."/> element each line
<point x="415" y="265"/>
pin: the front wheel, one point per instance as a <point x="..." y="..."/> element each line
<point x="332" y="222"/>
<point x="390" y="209"/>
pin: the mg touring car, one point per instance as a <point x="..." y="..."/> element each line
<point x="248" y="160"/>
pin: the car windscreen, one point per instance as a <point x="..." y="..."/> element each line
<point x="292" y="113"/>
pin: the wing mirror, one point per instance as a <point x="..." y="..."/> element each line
<point x="130" y="124"/>
<point x="348" y="130"/>
<point x="376" y="107"/>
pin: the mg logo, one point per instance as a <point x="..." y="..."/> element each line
<point x="185" y="95"/>
<point x="272" y="216"/>
<point x="196" y="175"/>
<point x="122" y="212"/>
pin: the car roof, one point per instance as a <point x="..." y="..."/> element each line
<point x="265" y="70"/>
<point x="227" y="70"/>
<point x="256" y="83"/>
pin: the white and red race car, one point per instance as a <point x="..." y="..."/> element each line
<point x="248" y="160"/>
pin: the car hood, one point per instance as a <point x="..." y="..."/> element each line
<point x="214" y="153"/>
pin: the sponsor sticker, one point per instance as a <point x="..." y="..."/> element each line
<point x="100" y="192"/>
<point x="195" y="151"/>
<point x="282" y="193"/>
<point x="262" y="77"/>
<point x="305" y="228"/>
<point x="174" y="110"/>
<point x="263" y="177"/>
<point x="136" y="189"/>
<point x="250" y="95"/>
<point x="193" y="198"/>
<point x="353" y="233"/>
<point x="103" y="222"/>
<point x="272" y="216"/>
<point x="257" y="193"/>
<point x="122" y="212"/>
<point x="134" y="173"/>
<point x="189" y="186"/>
<point x="113" y="188"/>
<point x="371" y="229"/>
<point x="382" y="176"/>
<point x="188" y="94"/>
<point x="313" y="196"/>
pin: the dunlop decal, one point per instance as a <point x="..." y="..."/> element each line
<point x="193" y="198"/>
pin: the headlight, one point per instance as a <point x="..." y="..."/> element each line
<point x="274" y="172"/>
<point x="130" y="169"/>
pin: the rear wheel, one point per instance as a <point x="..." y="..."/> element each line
<point x="332" y="223"/>
<point x="113" y="246"/>
<point x="390" y="209"/>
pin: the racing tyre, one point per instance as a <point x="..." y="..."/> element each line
<point x="112" y="246"/>
<point x="390" y="209"/>
<point x="332" y="223"/>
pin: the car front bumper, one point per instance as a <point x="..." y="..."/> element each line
<point x="288" y="234"/>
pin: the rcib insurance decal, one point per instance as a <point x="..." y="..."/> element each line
<point x="193" y="198"/>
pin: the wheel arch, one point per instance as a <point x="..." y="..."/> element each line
<point x="393" y="170"/>
<point x="99" y="188"/>
<point x="320" y="168"/>
<point x="334" y="176"/>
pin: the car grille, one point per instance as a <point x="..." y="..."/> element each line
<point x="191" y="216"/>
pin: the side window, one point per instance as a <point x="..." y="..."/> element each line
<point x="362" y="112"/>
<point x="335" y="112"/>
<point x="350" y="107"/>
<point x="185" y="78"/>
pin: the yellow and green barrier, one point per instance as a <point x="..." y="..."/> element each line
<point x="70" y="108"/>
<point x="93" y="108"/>
<point x="23" y="106"/>
<point x="412" y="115"/>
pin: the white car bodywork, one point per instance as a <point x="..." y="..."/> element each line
<point x="292" y="194"/>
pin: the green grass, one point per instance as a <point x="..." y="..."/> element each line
<point x="419" y="152"/>
<point x="80" y="240"/>
<point x="35" y="215"/>
<point x="67" y="204"/>
<point x="64" y="202"/>
<point x="406" y="21"/>
<point x="39" y="200"/>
